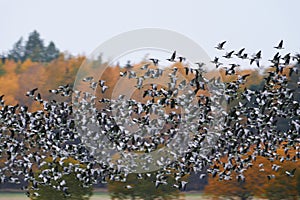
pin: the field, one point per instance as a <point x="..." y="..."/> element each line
<point x="97" y="196"/>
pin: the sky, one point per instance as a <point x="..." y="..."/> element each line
<point x="80" y="26"/>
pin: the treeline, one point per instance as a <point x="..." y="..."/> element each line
<point x="17" y="78"/>
<point x="33" y="48"/>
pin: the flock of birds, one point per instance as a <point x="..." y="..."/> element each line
<point x="246" y="128"/>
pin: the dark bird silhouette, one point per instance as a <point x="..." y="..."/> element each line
<point x="258" y="55"/>
<point x="215" y="61"/>
<point x="287" y="59"/>
<point x="256" y="61"/>
<point x="181" y="59"/>
<point x="200" y="65"/>
<point x="187" y="69"/>
<point x="244" y="56"/>
<point x="280" y="45"/>
<point x="220" y="45"/>
<point x="256" y="58"/>
<point x="31" y="92"/>
<point x="239" y="53"/>
<point x="228" y="55"/>
<point x="155" y="61"/>
<point x="172" y="59"/>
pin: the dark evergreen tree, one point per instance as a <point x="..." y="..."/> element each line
<point x="17" y="53"/>
<point x="51" y="52"/>
<point x="3" y="59"/>
<point x="34" y="48"/>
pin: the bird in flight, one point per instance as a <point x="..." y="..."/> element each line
<point x="181" y="59"/>
<point x="239" y="53"/>
<point x="172" y="59"/>
<point x="31" y="92"/>
<point x="87" y="79"/>
<point x="220" y="45"/>
<point x="280" y="45"/>
<point x="291" y="173"/>
<point x="155" y="61"/>
<point x="228" y="54"/>
<point x="200" y="64"/>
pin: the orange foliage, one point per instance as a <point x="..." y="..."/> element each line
<point x="257" y="182"/>
<point x="18" y="78"/>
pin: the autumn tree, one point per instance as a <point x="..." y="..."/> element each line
<point x="261" y="181"/>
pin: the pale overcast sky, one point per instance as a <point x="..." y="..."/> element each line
<point x="80" y="26"/>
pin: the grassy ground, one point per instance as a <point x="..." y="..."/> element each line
<point x="13" y="196"/>
<point x="97" y="196"/>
